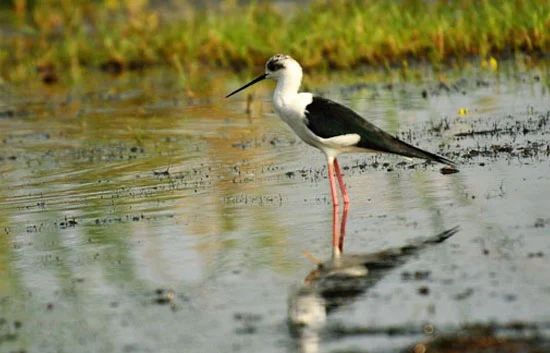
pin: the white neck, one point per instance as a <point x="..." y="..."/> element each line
<point x="287" y="87"/>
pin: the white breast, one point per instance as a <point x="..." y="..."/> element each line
<point x="292" y="112"/>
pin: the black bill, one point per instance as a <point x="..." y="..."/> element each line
<point x="256" y="80"/>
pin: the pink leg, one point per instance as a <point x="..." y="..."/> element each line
<point x="332" y="183"/>
<point x="343" y="227"/>
<point x="341" y="182"/>
<point x="334" y="204"/>
<point x="335" y="238"/>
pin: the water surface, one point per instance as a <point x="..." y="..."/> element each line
<point x="139" y="216"/>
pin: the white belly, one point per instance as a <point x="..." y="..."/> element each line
<point x="300" y="128"/>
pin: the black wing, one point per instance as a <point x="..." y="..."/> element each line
<point x="326" y="118"/>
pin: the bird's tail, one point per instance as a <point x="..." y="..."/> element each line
<point x="409" y="150"/>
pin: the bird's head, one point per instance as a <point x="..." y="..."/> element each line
<point x="278" y="67"/>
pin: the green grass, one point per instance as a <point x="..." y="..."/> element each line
<point x="69" y="36"/>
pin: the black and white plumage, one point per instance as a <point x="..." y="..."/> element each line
<point x="327" y="125"/>
<point x="320" y="120"/>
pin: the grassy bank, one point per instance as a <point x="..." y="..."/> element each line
<point x="65" y="37"/>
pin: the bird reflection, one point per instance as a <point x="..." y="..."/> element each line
<point x="340" y="280"/>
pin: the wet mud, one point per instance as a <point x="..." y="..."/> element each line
<point x="135" y="219"/>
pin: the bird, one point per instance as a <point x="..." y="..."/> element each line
<point x="327" y="125"/>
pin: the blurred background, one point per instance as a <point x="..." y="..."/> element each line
<point x="64" y="37"/>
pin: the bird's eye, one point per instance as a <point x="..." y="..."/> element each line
<point x="274" y="65"/>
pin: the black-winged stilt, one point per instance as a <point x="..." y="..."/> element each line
<point x="327" y="125"/>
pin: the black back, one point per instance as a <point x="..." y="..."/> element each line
<point x="326" y="118"/>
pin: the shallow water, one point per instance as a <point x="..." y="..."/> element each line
<point x="138" y="217"/>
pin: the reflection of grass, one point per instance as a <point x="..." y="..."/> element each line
<point x="125" y="34"/>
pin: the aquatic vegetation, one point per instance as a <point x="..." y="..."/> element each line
<point x="115" y="35"/>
